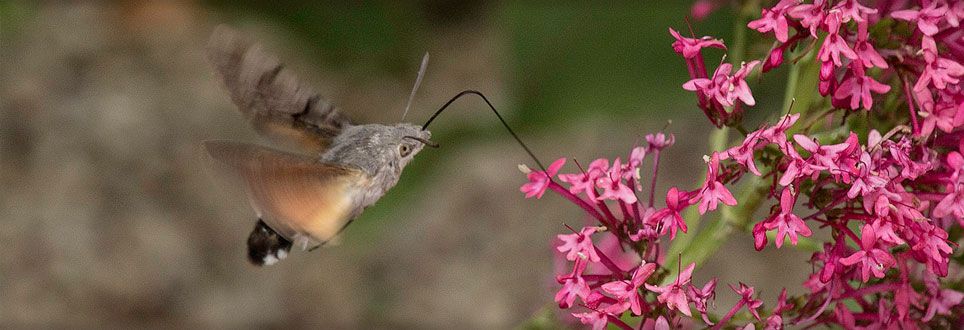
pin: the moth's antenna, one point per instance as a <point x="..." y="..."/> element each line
<point x="418" y="81"/>
<point x="516" y="137"/>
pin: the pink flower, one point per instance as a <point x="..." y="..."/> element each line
<point x="865" y="180"/>
<point x="782" y="304"/>
<point x="579" y="245"/>
<point x="796" y="168"/>
<point x="636" y="157"/>
<point x="942" y="116"/>
<point x="857" y="88"/>
<point x="844" y="317"/>
<point x="865" y="50"/>
<point x="835" y="45"/>
<point x="713" y="192"/>
<point x="539" y="180"/>
<point x="941" y="301"/>
<point x="715" y="88"/>
<point x="773" y="322"/>
<point x="660" y="141"/>
<point x="927" y="18"/>
<point x="572" y="287"/>
<point x="824" y="156"/>
<point x="743" y="154"/>
<point x="613" y="186"/>
<point x="674" y="295"/>
<point x="661" y="324"/>
<point x="670" y="216"/>
<point x="932" y="245"/>
<point x="851" y="9"/>
<point x="774" y="19"/>
<point x="811" y="16"/>
<point x="701" y="298"/>
<point x="723" y="88"/>
<point x="597" y="320"/>
<point x="628" y="291"/>
<point x="586" y="182"/>
<point x="953" y="202"/>
<point x="775" y="58"/>
<point x="759" y="235"/>
<point x="690" y="47"/>
<point x="786" y="223"/>
<point x="776" y="134"/>
<point x="739" y="88"/>
<point x="746" y="296"/>
<point x="885" y="232"/>
<point x="939" y="71"/>
<point x="873" y="260"/>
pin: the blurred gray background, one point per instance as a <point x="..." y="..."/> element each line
<point x="110" y="216"/>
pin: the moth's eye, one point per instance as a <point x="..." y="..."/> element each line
<point x="404" y="150"/>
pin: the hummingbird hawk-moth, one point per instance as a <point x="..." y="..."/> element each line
<point x="302" y="199"/>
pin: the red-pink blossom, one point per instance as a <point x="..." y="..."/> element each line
<point x="586" y="182"/>
<point x="927" y="18"/>
<point x="613" y="186"/>
<point x="858" y="86"/>
<point x="670" y="217"/>
<point x="723" y="88"/>
<point x="628" y="291"/>
<point x="579" y="245"/>
<point x="774" y="19"/>
<point x="835" y="46"/>
<point x="660" y="141"/>
<point x="811" y="15"/>
<point x="713" y="192"/>
<point x="539" y="180"/>
<point x="865" y="50"/>
<point x="940" y="72"/>
<point x="940" y="301"/>
<point x="853" y="10"/>
<point x="674" y="294"/>
<point x="596" y="320"/>
<point x="785" y="222"/>
<point x="701" y="298"/>
<point x="746" y="297"/>
<point x="572" y="287"/>
<point x="872" y="260"/>
<point x="690" y="47"/>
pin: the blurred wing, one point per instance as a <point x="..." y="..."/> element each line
<point x="272" y="98"/>
<point x="306" y="201"/>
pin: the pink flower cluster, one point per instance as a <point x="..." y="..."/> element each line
<point x="849" y="54"/>
<point x="604" y="278"/>
<point x="891" y="206"/>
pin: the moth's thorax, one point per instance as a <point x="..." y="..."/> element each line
<point x="375" y="149"/>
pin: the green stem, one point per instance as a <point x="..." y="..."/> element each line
<point x="739" y="42"/>
<point x="791" y="88"/>
<point x="717" y="142"/>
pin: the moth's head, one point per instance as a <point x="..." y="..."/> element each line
<point x="376" y="148"/>
<point x="411" y="140"/>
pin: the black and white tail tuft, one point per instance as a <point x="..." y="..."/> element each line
<point x="265" y="246"/>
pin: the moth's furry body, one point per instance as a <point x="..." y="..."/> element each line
<point x="373" y="148"/>
<point x="302" y="199"/>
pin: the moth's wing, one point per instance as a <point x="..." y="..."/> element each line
<point x="277" y="103"/>
<point x="306" y="201"/>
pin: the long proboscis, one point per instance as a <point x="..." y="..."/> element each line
<point x="423" y="141"/>
<point x="511" y="132"/>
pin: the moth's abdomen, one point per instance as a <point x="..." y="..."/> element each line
<point x="265" y="246"/>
